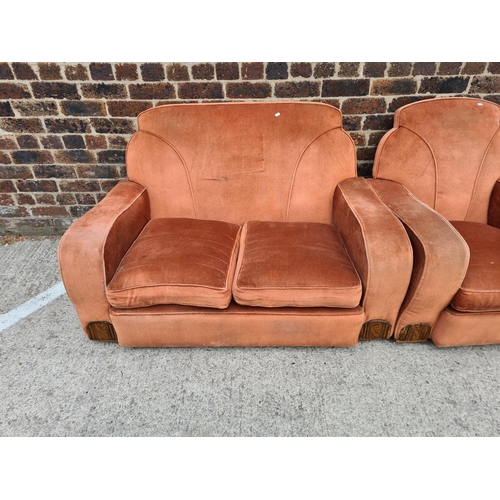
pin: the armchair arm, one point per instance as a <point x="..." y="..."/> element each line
<point x="440" y="255"/>
<point x="380" y="250"/>
<point x="494" y="206"/>
<point x="92" y="248"/>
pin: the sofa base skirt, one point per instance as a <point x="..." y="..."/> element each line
<point x="184" y="326"/>
<point x="455" y="328"/>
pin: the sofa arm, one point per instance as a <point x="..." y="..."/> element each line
<point x="92" y="248"/>
<point x="380" y="250"/>
<point x="494" y="206"/>
<point x="440" y="255"/>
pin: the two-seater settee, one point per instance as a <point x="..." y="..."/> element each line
<point x="240" y="224"/>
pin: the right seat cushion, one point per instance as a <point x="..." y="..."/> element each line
<point x="480" y="290"/>
<point x="177" y="261"/>
<point x="294" y="264"/>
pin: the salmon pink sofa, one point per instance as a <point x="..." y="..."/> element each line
<point x="438" y="169"/>
<point x="240" y="224"/>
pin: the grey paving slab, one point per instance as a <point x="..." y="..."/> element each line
<point x="55" y="382"/>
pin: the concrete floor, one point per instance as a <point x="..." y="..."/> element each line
<point x="55" y="382"/>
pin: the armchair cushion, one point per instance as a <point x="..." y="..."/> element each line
<point x="177" y="261"/>
<point x="480" y="290"/>
<point x="302" y="264"/>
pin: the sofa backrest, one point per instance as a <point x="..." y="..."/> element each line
<point x="446" y="151"/>
<point x="276" y="161"/>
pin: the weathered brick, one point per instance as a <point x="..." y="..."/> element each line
<point x="73" y="142"/>
<point x="34" y="226"/>
<point x="122" y="171"/>
<point x="113" y="125"/>
<point x="76" y="72"/>
<point x="54" y="171"/>
<point x="45" y="199"/>
<point x="177" y="72"/>
<point x="351" y="123"/>
<point x="398" y="102"/>
<point x="14" y="91"/>
<point x="117" y="141"/>
<point x="365" y="153"/>
<point x="424" y="68"/>
<point x="324" y="70"/>
<point x="101" y="71"/>
<point x="6" y="199"/>
<point x="22" y="125"/>
<point x="36" y="186"/>
<point x="97" y="171"/>
<point x="375" y="138"/>
<point x="54" y="211"/>
<point x="358" y="106"/>
<point x="83" y="108"/>
<point x="7" y="143"/>
<point x="49" y="71"/>
<point x="126" y="71"/>
<point x="277" y="71"/>
<point x="227" y="71"/>
<point x="200" y="91"/>
<point x="6" y="109"/>
<point x="111" y="156"/>
<point x="297" y="89"/>
<point x="128" y="108"/>
<point x="473" y="68"/>
<point x="301" y="69"/>
<point x="4" y="159"/>
<point x="203" y="71"/>
<point x="15" y="172"/>
<point x="27" y="156"/>
<point x="24" y="71"/>
<point x="67" y="125"/>
<point x="247" y="90"/>
<point x="79" y="210"/>
<point x="52" y="142"/>
<point x="6" y="72"/>
<point x="442" y="85"/>
<point x="85" y="198"/>
<point x="399" y="69"/>
<point x="347" y="87"/>
<point x="65" y="199"/>
<point x="365" y="169"/>
<point x="374" y="69"/>
<point x="104" y="90"/>
<point x="152" y="91"/>
<point x="493" y="98"/>
<point x="107" y="186"/>
<point x="13" y="211"/>
<point x="494" y="67"/>
<point x="55" y="90"/>
<point x="7" y="187"/>
<point x="485" y="84"/>
<point x="79" y="186"/>
<point x="331" y="102"/>
<point x="96" y="142"/>
<point x="378" y="122"/>
<point x="449" y="68"/>
<point x="100" y="196"/>
<point x="252" y="71"/>
<point x="358" y="138"/>
<point x="28" y="142"/>
<point x="74" y="156"/>
<point x="349" y="69"/>
<point x="25" y="199"/>
<point x="152" y="72"/>
<point x="396" y="86"/>
<point x="36" y="108"/>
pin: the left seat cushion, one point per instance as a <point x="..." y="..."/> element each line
<point x="177" y="261"/>
<point x="294" y="264"/>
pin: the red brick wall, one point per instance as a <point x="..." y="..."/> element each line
<point x="64" y="126"/>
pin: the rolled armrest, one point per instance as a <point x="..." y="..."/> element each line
<point x="92" y="248"/>
<point x="378" y="246"/>
<point x="494" y="207"/>
<point x="440" y="255"/>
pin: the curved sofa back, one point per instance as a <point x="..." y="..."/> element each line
<point x="276" y="161"/>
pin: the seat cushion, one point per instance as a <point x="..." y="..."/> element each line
<point x="480" y="290"/>
<point x="301" y="264"/>
<point x="177" y="261"/>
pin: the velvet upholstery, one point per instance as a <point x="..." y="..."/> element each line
<point x="301" y="264"/>
<point x="177" y="261"/>
<point x="446" y="152"/>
